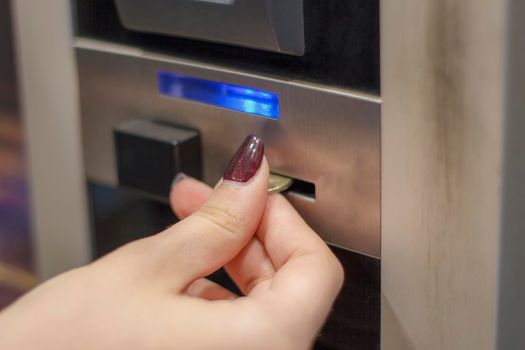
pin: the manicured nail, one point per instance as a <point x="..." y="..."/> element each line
<point x="246" y="161"/>
<point x="178" y="178"/>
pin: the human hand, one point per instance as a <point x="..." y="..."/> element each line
<point x="152" y="294"/>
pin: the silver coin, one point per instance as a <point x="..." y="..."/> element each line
<point x="278" y="183"/>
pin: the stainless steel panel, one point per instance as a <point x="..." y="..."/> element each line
<point x="325" y="136"/>
<point x="273" y="25"/>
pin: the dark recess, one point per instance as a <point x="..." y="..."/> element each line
<point x="342" y="43"/>
<point x="302" y="188"/>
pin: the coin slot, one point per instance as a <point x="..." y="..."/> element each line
<point x="302" y="188"/>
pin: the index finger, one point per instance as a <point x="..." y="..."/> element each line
<point x="308" y="276"/>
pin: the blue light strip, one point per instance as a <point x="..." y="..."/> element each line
<point x="234" y="97"/>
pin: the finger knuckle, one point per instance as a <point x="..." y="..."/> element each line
<point x="221" y="220"/>
<point x="338" y="271"/>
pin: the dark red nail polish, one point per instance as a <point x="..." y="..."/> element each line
<point x="246" y="160"/>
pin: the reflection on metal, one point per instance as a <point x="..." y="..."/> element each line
<point x="326" y="137"/>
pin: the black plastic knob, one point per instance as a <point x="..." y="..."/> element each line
<point x="149" y="155"/>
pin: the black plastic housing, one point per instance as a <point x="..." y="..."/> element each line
<point x="341" y="43"/>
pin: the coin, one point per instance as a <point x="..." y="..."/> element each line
<point x="278" y="183"/>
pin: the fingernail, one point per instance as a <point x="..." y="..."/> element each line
<point x="246" y="161"/>
<point x="178" y="178"/>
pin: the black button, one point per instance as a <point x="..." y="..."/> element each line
<point x="149" y="154"/>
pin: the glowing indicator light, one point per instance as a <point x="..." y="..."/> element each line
<point x="235" y="97"/>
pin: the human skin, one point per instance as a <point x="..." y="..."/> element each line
<point x="152" y="294"/>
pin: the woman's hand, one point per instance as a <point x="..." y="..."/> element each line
<point x="152" y="294"/>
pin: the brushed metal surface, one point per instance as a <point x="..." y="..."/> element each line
<point x="325" y="136"/>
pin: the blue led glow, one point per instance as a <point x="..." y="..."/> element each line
<point x="235" y="97"/>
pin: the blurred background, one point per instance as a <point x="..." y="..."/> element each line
<point x="16" y="264"/>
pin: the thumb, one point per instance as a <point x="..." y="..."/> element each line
<point x="214" y="234"/>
